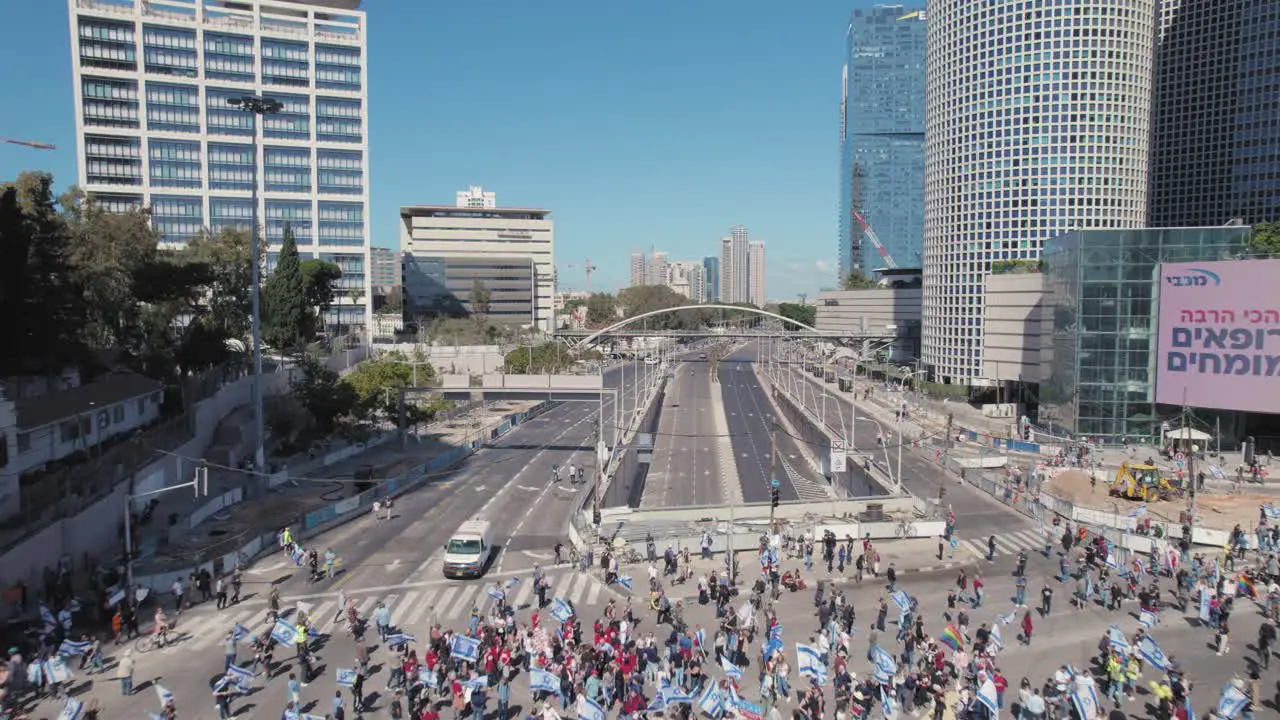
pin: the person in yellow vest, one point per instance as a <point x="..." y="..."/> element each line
<point x="1132" y="674"/>
<point x="286" y="538"/>
<point x="1115" y="678"/>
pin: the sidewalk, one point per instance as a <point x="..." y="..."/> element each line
<point x="230" y="528"/>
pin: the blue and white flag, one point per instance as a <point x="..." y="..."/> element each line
<point x="284" y="632"/>
<point x="345" y="677"/>
<point x="624" y="581"/>
<point x="478" y="682"/>
<point x="656" y="705"/>
<point x="886" y="701"/>
<point x="1148" y="649"/>
<point x="604" y="647"/>
<point x="56" y="670"/>
<point x="676" y="696"/>
<point x="115" y="599"/>
<point x="240" y="632"/>
<point x="809" y="663"/>
<point x="711" y="702"/>
<point x="1118" y="641"/>
<point x="885" y="664"/>
<point x="775" y="632"/>
<point x="1204" y="604"/>
<point x="1147" y="619"/>
<point x="399" y="639"/>
<point x="589" y="709"/>
<point x="561" y="610"/>
<point x="495" y="593"/>
<point x="512" y="582"/>
<point x="772" y="647"/>
<point x="987" y="696"/>
<point x="1231" y="702"/>
<point x="72" y="710"/>
<point x="730" y="670"/>
<point x="242" y="677"/>
<point x="46" y="616"/>
<point x="464" y="648"/>
<point x="71" y="649"/>
<point x="298" y="555"/>
<point x="700" y="638"/>
<point x="1085" y="699"/>
<point x="1273" y="512"/>
<point x="165" y="696"/>
<point x="543" y="681"/>
<point x="996" y="638"/>
<point x="1006" y="619"/>
<point x="902" y="599"/>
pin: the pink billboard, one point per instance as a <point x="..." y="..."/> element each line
<point x="1219" y="340"/>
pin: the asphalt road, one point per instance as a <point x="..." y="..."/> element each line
<point x="684" y="470"/>
<point x="978" y="515"/>
<point x="748" y="410"/>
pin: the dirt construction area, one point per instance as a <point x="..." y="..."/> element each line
<point x="1216" y="507"/>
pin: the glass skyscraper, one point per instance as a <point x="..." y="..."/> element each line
<point x="882" y="137"/>
<point x="154" y="129"/>
<point x="1038" y="123"/>
<point x="1215" y="152"/>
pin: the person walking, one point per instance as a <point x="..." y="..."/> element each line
<point x="124" y="672"/>
<point x="1027" y="627"/>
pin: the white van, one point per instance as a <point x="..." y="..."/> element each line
<point x="469" y="550"/>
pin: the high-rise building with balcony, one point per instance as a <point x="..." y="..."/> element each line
<point x="882" y="137"/>
<point x="152" y="80"/>
<point x="755" y="273"/>
<point x="639" y="269"/>
<point x="1037" y="123"/>
<point x="1215" y="148"/>
<point x="734" y="273"/>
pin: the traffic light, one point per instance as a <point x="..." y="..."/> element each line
<point x="773" y="498"/>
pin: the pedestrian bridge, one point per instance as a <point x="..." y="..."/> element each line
<point x="499" y="386"/>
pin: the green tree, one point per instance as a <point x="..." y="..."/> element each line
<point x="378" y="382"/>
<point x="857" y="280"/>
<point x="1264" y="239"/>
<point x="287" y="320"/>
<point x="228" y="256"/>
<point x="551" y="357"/>
<point x="38" y="297"/>
<point x="321" y="280"/>
<point x="480" y="298"/>
<point x="322" y="395"/>
<point x="806" y="314"/>
<point x="602" y="309"/>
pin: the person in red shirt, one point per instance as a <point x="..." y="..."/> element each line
<point x="1001" y="683"/>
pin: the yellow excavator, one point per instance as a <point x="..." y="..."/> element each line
<point x="1141" y="482"/>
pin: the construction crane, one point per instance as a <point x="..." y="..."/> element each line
<point x="30" y="144"/>
<point x="587" y="269"/>
<point x="871" y="234"/>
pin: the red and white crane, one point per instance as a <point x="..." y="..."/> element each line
<point x="30" y="144"/>
<point x="880" y="248"/>
<point x="587" y="269"/>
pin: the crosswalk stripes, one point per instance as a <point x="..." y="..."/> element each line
<point x="418" y="610"/>
<point x="1008" y="543"/>
<point x="397" y="612"/>
<point x="455" y="609"/>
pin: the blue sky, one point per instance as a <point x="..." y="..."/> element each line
<point x="638" y="124"/>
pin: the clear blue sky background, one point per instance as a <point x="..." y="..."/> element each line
<point x="638" y="124"/>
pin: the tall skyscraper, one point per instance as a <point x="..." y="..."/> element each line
<point x="711" y="276"/>
<point x="734" y="273"/>
<point x="687" y="278"/>
<point x="1215" y="148"/>
<point x="154" y="128"/>
<point x="1037" y="122"/>
<point x="657" y="269"/>
<point x="639" y="270"/>
<point x="882" y="137"/>
<point x="755" y="273"/>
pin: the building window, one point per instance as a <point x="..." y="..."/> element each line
<point x="109" y="103"/>
<point x="169" y="51"/>
<point x="338" y="120"/>
<point x="176" y="217"/>
<point x="142" y="408"/>
<point x="285" y="63"/>
<point x="173" y="108"/>
<point x="223" y="119"/>
<point x="286" y="169"/>
<point x="24" y="442"/>
<point x="234" y="213"/>
<point x="106" y="44"/>
<point x="292" y="122"/>
<point x="337" y="68"/>
<point x="112" y="160"/>
<point x="174" y="164"/>
<point x="340" y="172"/>
<point x="230" y="167"/>
<point x="341" y="223"/>
<point x="296" y="214"/>
<point x="69" y="431"/>
<point x="117" y="414"/>
<point x="228" y="57"/>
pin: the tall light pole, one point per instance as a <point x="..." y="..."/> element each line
<point x="255" y="106"/>
<point x="902" y="411"/>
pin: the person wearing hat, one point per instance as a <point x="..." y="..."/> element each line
<point x="124" y="672"/>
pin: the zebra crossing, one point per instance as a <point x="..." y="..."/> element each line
<point x="1007" y="543"/>
<point x="806" y="489"/>
<point x="411" y="608"/>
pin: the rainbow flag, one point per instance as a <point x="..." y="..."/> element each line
<point x="952" y="638"/>
<point x="1244" y="586"/>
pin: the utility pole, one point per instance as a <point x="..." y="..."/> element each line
<point x="946" y="453"/>
<point x="773" y="474"/>
<point x="1191" y="472"/>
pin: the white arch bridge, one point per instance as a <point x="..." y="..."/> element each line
<point x="790" y="329"/>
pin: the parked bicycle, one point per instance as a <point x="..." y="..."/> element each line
<point x="905" y="528"/>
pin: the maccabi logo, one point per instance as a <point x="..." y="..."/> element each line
<point x="1195" y="277"/>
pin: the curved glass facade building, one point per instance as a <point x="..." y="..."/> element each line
<point x="1038" y="115"/>
<point x="882" y="137"/>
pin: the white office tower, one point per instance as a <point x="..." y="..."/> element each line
<point x="734" y="266"/>
<point x="1037" y="119"/>
<point x="688" y="277"/>
<point x="152" y="80"/>
<point x="476" y="198"/>
<point x="755" y="273"/>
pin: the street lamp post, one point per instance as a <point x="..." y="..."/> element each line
<point x="201" y="485"/>
<point x="902" y="411"/>
<point x="255" y="106"/>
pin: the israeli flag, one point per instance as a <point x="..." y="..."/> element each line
<point x="298" y="555"/>
<point x="885" y="664"/>
<point x="987" y="696"/>
<point x="1231" y="702"/>
<point x="730" y="670"/>
<point x="46" y="616"/>
<point x="810" y="664"/>
<point x="1273" y="512"/>
<point x="1204" y="604"/>
<point x="624" y="581"/>
<point x="700" y="637"/>
<point x="1118" y="641"/>
<point x="57" y="671"/>
<point x="772" y="647"/>
<point x="561" y="610"/>
<point x="464" y="648"/>
<point x="886" y="701"/>
<point x="1111" y="560"/>
<point x="495" y="593"/>
<point x="543" y="681"/>
<point x="1148" y="649"/>
<point x="996" y="639"/>
<point x="1006" y="619"/>
<point x="72" y="649"/>
<point x="1147" y="619"/>
<point x="284" y="632"/>
<point x="72" y="710"/>
<point x="902" y="599"/>
<point x="240" y="632"/>
<point x="345" y="677"/>
<point x="676" y="696"/>
<point x="400" y="639"/>
<point x="1085" y="699"/>
<point x="589" y="709"/>
<point x="478" y="682"/>
<point x="711" y="702"/>
<point x="775" y="632"/>
<point x="116" y="598"/>
<point x="656" y="705"/>
<point x="165" y="696"/>
<point x="242" y="677"/>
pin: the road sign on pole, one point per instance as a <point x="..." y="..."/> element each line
<point x="839" y="456"/>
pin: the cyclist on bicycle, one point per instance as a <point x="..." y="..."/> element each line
<point x="161" y="630"/>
